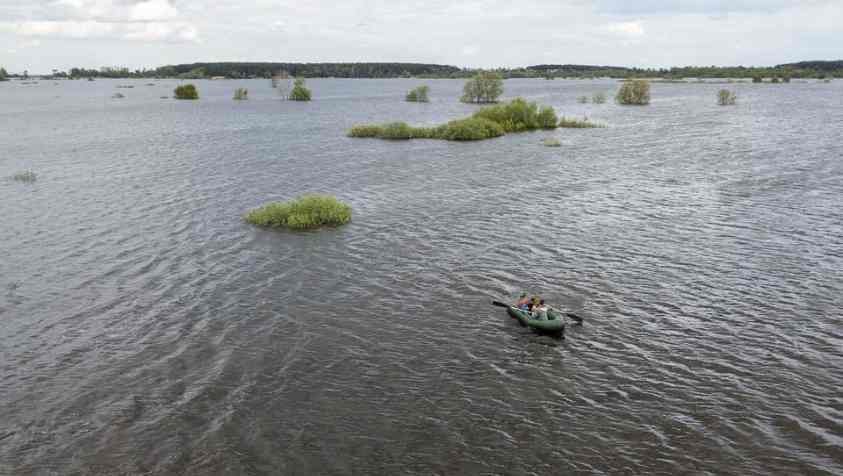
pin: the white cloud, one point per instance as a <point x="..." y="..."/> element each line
<point x="65" y="29"/>
<point x="153" y="10"/>
<point x="160" y="31"/>
<point x="632" y="29"/>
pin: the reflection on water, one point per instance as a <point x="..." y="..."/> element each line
<point x="144" y="328"/>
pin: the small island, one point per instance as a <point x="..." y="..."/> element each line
<point x="303" y="213"/>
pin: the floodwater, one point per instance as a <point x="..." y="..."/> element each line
<point x="146" y="329"/>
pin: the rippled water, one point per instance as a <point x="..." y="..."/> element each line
<point x="145" y="329"/>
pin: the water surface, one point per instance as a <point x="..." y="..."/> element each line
<point x="145" y="329"/>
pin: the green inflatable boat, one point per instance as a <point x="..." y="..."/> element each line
<point x="554" y="324"/>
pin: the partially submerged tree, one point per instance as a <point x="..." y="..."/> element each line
<point x="186" y="91"/>
<point x="634" y="92"/>
<point x="418" y="94"/>
<point x="726" y="97"/>
<point x="299" y="92"/>
<point x="485" y="87"/>
<point x="3" y="74"/>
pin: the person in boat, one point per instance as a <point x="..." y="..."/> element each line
<point x="540" y="311"/>
<point x="534" y="302"/>
<point x="523" y="302"/>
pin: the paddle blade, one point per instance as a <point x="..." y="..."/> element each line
<point x="499" y="304"/>
<point x="574" y="317"/>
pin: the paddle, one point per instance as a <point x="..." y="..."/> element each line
<point x="500" y="304"/>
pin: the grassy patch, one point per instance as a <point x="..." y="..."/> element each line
<point x="552" y="142"/>
<point x="26" y="176"/>
<point x="578" y="123"/>
<point x="304" y="213"/>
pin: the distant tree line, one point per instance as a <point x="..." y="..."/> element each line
<point x="234" y="70"/>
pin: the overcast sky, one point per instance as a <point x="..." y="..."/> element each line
<point x="40" y="35"/>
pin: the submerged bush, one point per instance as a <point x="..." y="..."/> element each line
<point x="241" y="94"/>
<point x="578" y="123"/>
<point x="299" y="92"/>
<point x="582" y="99"/>
<point x="187" y="91"/>
<point x="26" y="176"/>
<point x="418" y="94"/>
<point x="598" y="98"/>
<point x="396" y="131"/>
<point x="757" y="79"/>
<point x="305" y="212"/>
<point x="552" y="142"/>
<point x="634" y="92"/>
<point x="473" y="128"/>
<point x="726" y="97"/>
<point x="485" y="87"/>
<point x="547" y="118"/>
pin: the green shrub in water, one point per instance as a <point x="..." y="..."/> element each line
<point x="186" y="91"/>
<point x="299" y="91"/>
<point x="582" y="99"/>
<point x="598" y="98"/>
<point x="634" y="92"/>
<point x="305" y="212"/>
<point x="552" y="142"/>
<point x="484" y="87"/>
<point x="515" y="116"/>
<point x="396" y="131"/>
<point x="418" y="94"/>
<point x="726" y="97"/>
<point x="547" y="118"/>
<point x="473" y="128"/>
<point x="241" y="93"/>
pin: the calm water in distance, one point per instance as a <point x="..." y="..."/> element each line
<point x="146" y="329"/>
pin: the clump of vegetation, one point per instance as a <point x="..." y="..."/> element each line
<point x="299" y="91"/>
<point x="472" y="128"/>
<point x="118" y="96"/>
<point x="241" y="94"/>
<point x="418" y="94"/>
<point x="757" y="79"/>
<point x="26" y="176"/>
<point x="583" y="123"/>
<point x="485" y="87"/>
<point x="634" y="92"/>
<point x="598" y="98"/>
<point x="519" y="115"/>
<point x="515" y="116"/>
<point x="726" y="97"/>
<point x="552" y="142"/>
<point x="186" y="91"/>
<point x="582" y="99"/>
<point x="3" y="74"/>
<point x="774" y="80"/>
<point x="305" y="212"/>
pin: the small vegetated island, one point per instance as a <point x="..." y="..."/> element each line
<point x="299" y="92"/>
<point x="418" y="94"/>
<point x="186" y="91"/>
<point x="517" y="115"/>
<point x="303" y="213"/>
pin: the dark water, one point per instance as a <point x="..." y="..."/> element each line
<point x="145" y="329"/>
